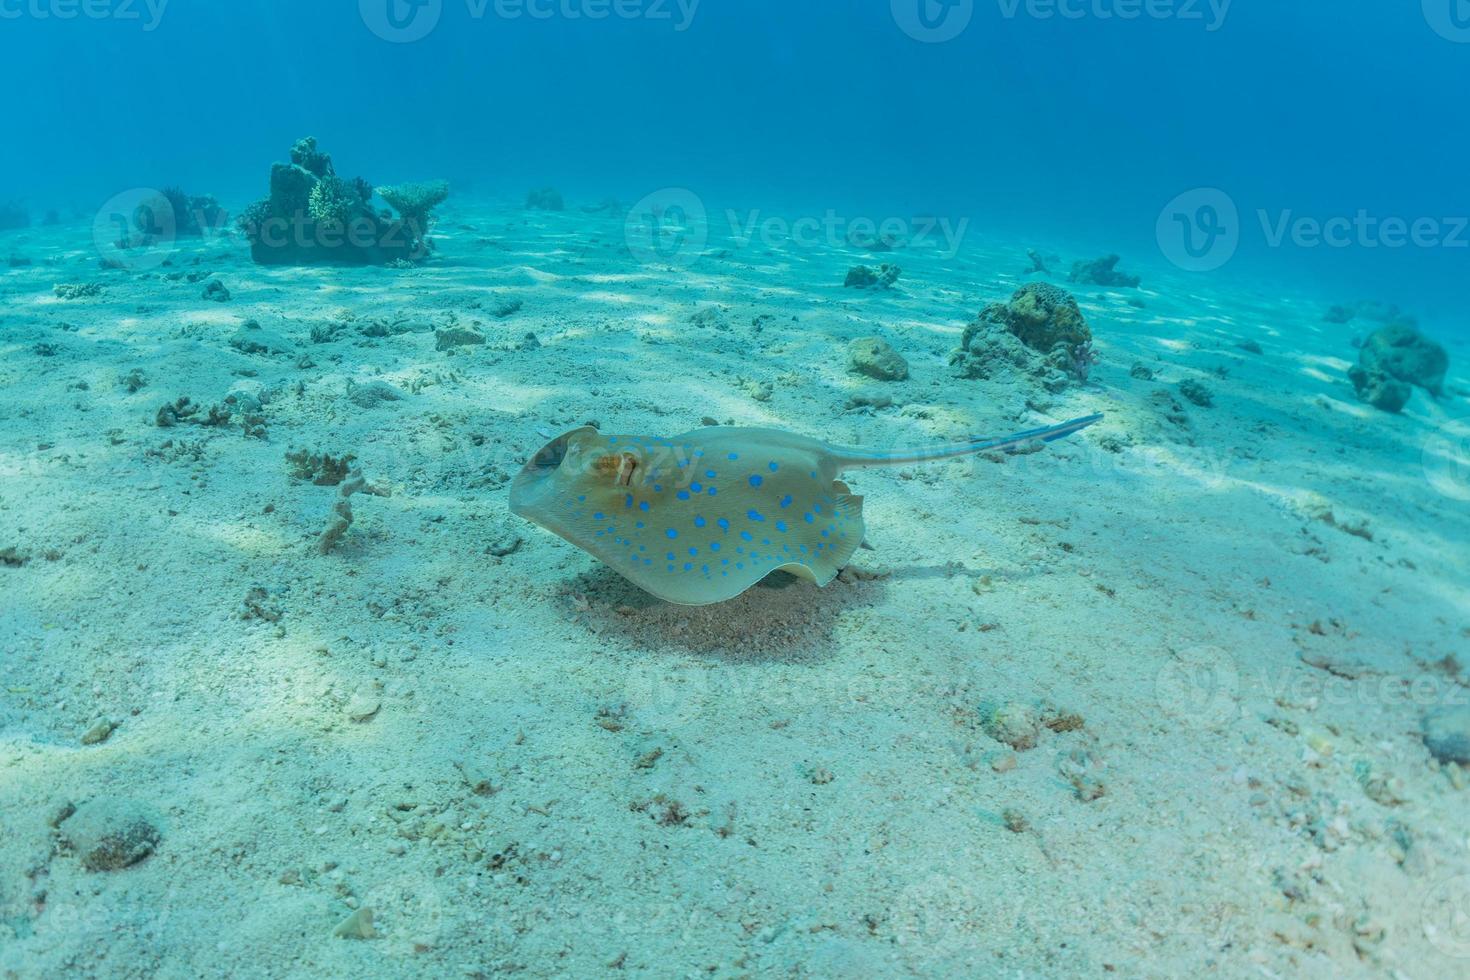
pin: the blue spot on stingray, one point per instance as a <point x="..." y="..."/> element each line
<point x="670" y="556"/>
<point x="704" y="568"/>
<point x="826" y="534"/>
<point x="739" y="564"/>
<point x="688" y="565"/>
<point x="712" y="491"/>
<point x="638" y="524"/>
<point x="755" y="515"/>
<point x="733" y="456"/>
<point x="747" y="536"/>
<point x="809" y="518"/>
<point x="693" y="552"/>
<point x="674" y="534"/>
<point x="643" y="506"/>
<point x="817" y="508"/>
<point x="710" y="474"/>
<point x="724" y="524"/>
<point x="682" y="494"/>
<point x="582" y="499"/>
<point x="786" y="500"/>
<point x="699" y="522"/>
<point x="714" y="546"/>
<point x="671" y="568"/>
<point x="781" y="526"/>
<point x="756" y="481"/>
<point x="628" y="500"/>
<point x="597" y="516"/>
<point x="774" y="467"/>
<point x="657" y="488"/>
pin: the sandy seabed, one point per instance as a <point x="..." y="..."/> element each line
<point x="1148" y="703"/>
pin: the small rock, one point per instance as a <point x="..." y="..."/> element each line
<point x="1141" y="371"/>
<point x="862" y="277"/>
<point x="504" y="544"/>
<point x="110" y="834"/>
<point x="1196" y="393"/>
<point x="372" y="394"/>
<point x="363" y="707"/>
<point x="1447" y="734"/>
<point x="215" y="290"/>
<point x="358" y="925"/>
<point x="448" y="338"/>
<point x="873" y="357"/>
<point x="99" y="732"/>
<point x="1016" y="724"/>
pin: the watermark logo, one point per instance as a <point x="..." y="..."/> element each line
<point x="135" y="229"/>
<point x="149" y="12"/>
<point x="1211" y="13"/>
<point x="1446" y="917"/>
<point x="1200" y="686"/>
<point x="668" y="227"/>
<point x="933" y="21"/>
<point x="1446" y="459"/>
<point x="1199" y="231"/>
<point x="1450" y="19"/>
<point x="401" y="21"/>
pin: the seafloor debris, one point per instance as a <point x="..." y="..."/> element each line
<point x="108" y="834"/>
<point x="1447" y="734"/>
<point x="341" y="516"/>
<point x="874" y="357"/>
<point x="216" y="291"/>
<point x="1196" y="393"/>
<point x="1103" y="272"/>
<point x="862" y="277"/>
<point x="448" y="338"/>
<point x="323" y="469"/>
<point x="79" y="290"/>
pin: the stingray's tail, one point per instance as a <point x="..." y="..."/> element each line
<point x="852" y="458"/>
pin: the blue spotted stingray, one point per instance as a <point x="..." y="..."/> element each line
<point x="704" y="516"/>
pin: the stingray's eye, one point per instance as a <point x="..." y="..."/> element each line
<point x="618" y="467"/>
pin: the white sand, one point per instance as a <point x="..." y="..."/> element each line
<point x="798" y="782"/>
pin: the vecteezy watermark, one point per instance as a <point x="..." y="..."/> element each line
<point x="933" y="21"/>
<point x="1200" y="686"/>
<point x="1446" y="458"/>
<point x="401" y="21"/>
<point x="837" y="231"/>
<point x="149" y="12"/>
<point x="1201" y="230"/>
<point x="406" y="21"/>
<point x="1211" y="13"/>
<point x="1450" y="19"/>
<point x="135" y="229"/>
<point x="668" y="227"/>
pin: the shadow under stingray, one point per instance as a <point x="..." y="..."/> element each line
<point x="782" y="618"/>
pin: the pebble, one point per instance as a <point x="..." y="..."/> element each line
<point x="358" y="925"/>
<point x="1447" y="734"/>
<point x="450" y="337"/>
<point x="99" y="732"/>
<point x="363" y="706"/>
<point x="109" y="834"/>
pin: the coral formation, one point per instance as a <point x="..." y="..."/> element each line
<point x="545" y="199"/>
<point x="1395" y="360"/>
<point x="415" y="204"/>
<point x="1041" y="332"/>
<point x="193" y="216"/>
<point x="873" y="357"/>
<point x="314" y="217"/>
<point x="14" y="215"/>
<point x="862" y="277"/>
<point x="1103" y="272"/>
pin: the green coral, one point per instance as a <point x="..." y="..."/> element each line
<point x="334" y="200"/>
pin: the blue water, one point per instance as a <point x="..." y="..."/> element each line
<point x="1068" y="131"/>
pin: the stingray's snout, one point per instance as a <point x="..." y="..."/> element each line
<point x="536" y="477"/>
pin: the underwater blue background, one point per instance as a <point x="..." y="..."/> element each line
<point x="1064" y="133"/>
